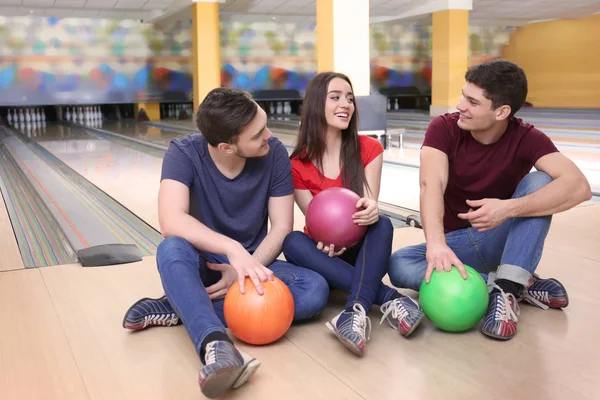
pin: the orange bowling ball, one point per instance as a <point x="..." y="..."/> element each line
<point x="257" y="319"/>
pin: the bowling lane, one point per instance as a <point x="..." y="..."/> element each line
<point x="286" y="132"/>
<point x="571" y="119"/>
<point x="114" y="167"/>
<point x="127" y="174"/>
<point x="140" y="131"/>
<point x="400" y="186"/>
<point x="86" y="215"/>
<point x="405" y="146"/>
<point x="585" y="156"/>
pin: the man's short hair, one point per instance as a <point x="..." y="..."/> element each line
<point x="502" y="81"/>
<point x="224" y="113"/>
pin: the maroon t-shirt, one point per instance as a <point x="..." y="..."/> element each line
<point x="478" y="171"/>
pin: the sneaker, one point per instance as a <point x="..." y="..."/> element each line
<point x="501" y="319"/>
<point x="402" y="313"/>
<point x="224" y="369"/>
<point x="251" y="364"/>
<point x="150" y="312"/>
<point x="546" y="293"/>
<point x="352" y="328"/>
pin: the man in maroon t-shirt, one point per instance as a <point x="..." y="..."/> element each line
<point x="481" y="205"/>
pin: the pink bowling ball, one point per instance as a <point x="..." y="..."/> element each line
<point x="329" y="218"/>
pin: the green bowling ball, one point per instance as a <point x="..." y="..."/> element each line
<point x="452" y="303"/>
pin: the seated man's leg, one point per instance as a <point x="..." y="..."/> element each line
<point x="407" y="266"/>
<point x="523" y="251"/>
<point x="516" y="272"/>
<point x="178" y="264"/>
<point x="148" y="312"/>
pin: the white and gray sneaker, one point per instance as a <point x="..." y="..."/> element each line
<point x="352" y="328"/>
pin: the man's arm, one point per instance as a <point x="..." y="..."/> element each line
<point x="433" y="179"/>
<point x="281" y="216"/>
<point x="175" y="220"/>
<point x="568" y="188"/>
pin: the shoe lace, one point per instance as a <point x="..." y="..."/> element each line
<point x="158" y="319"/>
<point x="360" y="322"/>
<point x="211" y="353"/>
<point x="539" y="298"/>
<point x="396" y="308"/>
<point x="504" y="311"/>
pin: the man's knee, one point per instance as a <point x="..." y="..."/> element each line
<point x="173" y="248"/>
<point x="316" y="296"/>
<point x="310" y="290"/>
<point x="532" y="182"/>
<point x="406" y="268"/>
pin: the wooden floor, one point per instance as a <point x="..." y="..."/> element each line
<point x="62" y="339"/>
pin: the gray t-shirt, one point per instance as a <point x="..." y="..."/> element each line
<point x="236" y="208"/>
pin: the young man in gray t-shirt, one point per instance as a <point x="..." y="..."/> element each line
<point x="218" y="190"/>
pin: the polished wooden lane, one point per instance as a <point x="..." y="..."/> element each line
<point x="10" y="256"/>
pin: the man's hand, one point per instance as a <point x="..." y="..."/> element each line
<point x="330" y="250"/>
<point x="489" y="213"/>
<point x="247" y="266"/>
<point x="441" y="258"/>
<point x="228" y="277"/>
<point x="369" y="215"/>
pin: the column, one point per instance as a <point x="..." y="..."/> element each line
<point x="152" y="110"/>
<point x="343" y="41"/>
<point x="449" y="60"/>
<point x="206" y="56"/>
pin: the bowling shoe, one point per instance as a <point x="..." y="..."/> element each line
<point x="501" y="319"/>
<point x="150" y="312"/>
<point x="352" y="328"/>
<point x="225" y="368"/>
<point x="545" y="293"/>
<point x="402" y="313"/>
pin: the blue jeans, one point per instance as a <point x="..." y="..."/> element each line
<point x="510" y="251"/>
<point x="185" y="276"/>
<point x="358" y="271"/>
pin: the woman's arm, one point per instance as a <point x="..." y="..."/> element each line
<point x="303" y="197"/>
<point x="373" y="176"/>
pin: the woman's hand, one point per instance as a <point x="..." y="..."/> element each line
<point x="369" y="215"/>
<point x="330" y="250"/>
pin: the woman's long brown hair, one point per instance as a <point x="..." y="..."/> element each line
<point x="313" y="131"/>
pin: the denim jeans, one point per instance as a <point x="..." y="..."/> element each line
<point x="510" y="251"/>
<point x="358" y="271"/>
<point x="185" y="276"/>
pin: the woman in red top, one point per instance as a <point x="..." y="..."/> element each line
<point x="330" y="153"/>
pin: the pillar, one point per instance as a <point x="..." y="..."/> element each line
<point x="450" y="59"/>
<point x="152" y="110"/>
<point x="206" y="57"/>
<point x="343" y="41"/>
